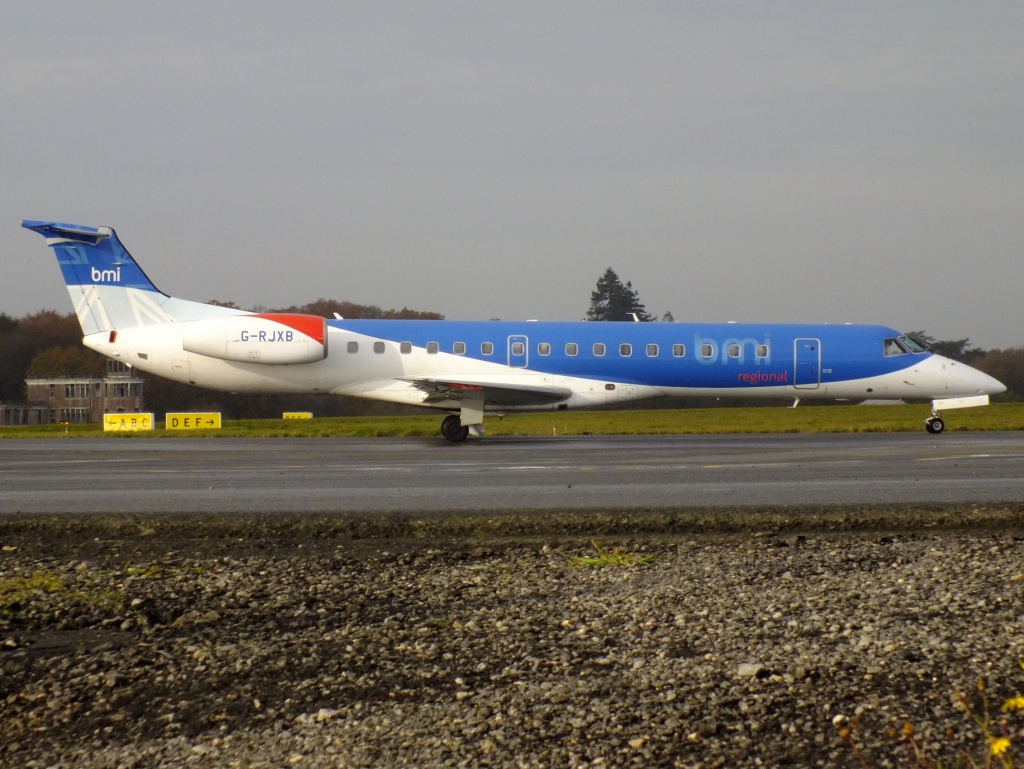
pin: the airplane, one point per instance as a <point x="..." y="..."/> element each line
<point x="469" y="368"/>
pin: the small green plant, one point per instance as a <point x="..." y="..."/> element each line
<point x="15" y="589"/>
<point x="995" y="730"/>
<point x="16" y="592"/>
<point x="615" y="557"/>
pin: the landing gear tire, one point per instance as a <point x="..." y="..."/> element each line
<point x="453" y="429"/>
<point x="935" y="425"/>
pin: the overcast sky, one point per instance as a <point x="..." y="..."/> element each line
<point x="784" y="161"/>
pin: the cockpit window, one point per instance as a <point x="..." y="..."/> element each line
<point x="894" y="347"/>
<point x="914" y="345"/>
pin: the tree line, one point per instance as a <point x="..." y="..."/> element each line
<point x="49" y="344"/>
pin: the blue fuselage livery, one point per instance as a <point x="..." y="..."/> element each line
<point x="470" y="368"/>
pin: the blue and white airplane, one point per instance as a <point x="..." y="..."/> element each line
<point x="472" y="368"/>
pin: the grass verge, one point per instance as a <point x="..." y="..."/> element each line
<point x="810" y="419"/>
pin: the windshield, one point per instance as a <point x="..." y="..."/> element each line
<point x="894" y="347"/>
<point x="914" y="345"/>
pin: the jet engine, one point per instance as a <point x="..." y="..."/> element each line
<point x="270" y="338"/>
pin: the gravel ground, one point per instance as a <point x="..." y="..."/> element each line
<point x="743" y="649"/>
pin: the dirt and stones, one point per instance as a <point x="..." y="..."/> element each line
<point x="152" y="648"/>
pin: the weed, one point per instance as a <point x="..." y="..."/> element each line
<point x="17" y="589"/>
<point x="994" y="729"/>
<point x="16" y="592"/>
<point x="614" y="558"/>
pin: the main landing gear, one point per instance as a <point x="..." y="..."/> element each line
<point x="453" y="429"/>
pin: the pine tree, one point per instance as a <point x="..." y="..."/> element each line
<point x="612" y="300"/>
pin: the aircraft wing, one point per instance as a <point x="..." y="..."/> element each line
<point x="494" y="394"/>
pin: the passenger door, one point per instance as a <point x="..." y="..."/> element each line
<point x="807" y="354"/>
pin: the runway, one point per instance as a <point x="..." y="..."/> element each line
<point x="430" y="476"/>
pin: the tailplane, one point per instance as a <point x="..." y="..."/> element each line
<point x="108" y="288"/>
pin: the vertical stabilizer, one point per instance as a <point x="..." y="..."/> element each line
<point x="108" y="288"/>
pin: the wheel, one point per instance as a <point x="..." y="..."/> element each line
<point x="935" y="425"/>
<point x="453" y="429"/>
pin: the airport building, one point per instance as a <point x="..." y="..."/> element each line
<point x="76" y="399"/>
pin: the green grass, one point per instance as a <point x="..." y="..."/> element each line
<point x="777" y="419"/>
<point x="613" y="557"/>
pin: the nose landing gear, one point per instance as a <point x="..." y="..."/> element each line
<point x="934" y="423"/>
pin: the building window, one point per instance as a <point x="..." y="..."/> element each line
<point x="571" y="349"/>
<point x="75" y="416"/>
<point x="543" y="348"/>
<point x="652" y="351"/>
<point x="679" y="350"/>
<point x="598" y="349"/>
<point x="405" y="348"/>
<point x="459" y="348"/>
<point x="486" y="348"/>
<point x="353" y="346"/>
<point x="625" y="350"/>
<point x="432" y="348"/>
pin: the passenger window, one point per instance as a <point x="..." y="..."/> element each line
<point x="459" y="348"/>
<point x="486" y="348"/>
<point x="679" y="350"/>
<point x="378" y="347"/>
<point x="432" y="348"/>
<point x="707" y="351"/>
<point x="405" y="348"/>
<point x="625" y="350"/>
<point x="571" y="349"/>
<point x="652" y="351"/>
<point x="518" y="348"/>
<point x="762" y="351"/>
<point x="734" y="351"/>
<point x="598" y="349"/>
<point x="543" y="348"/>
<point x="353" y="346"/>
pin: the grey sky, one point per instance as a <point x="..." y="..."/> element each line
<point x="778" y="161"/>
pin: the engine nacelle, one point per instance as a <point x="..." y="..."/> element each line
<point x="269" y="338"/>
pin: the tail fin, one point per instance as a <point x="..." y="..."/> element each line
<point x="108" y="288"/>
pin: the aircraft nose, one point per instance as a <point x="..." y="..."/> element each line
<point x="964" y="380"/>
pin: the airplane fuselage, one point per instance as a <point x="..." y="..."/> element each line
<point x="471" y="367"/>
<point x="598" y="363"/>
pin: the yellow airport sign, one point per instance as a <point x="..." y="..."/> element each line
<point x="126" y="423"/>
<point x="193" y="420"/>
<point x="297" y="415"/>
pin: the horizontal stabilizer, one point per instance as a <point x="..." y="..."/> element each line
<point x="68" y="231"/>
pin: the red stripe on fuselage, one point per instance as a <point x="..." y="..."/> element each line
<point x="310" y="325"/>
